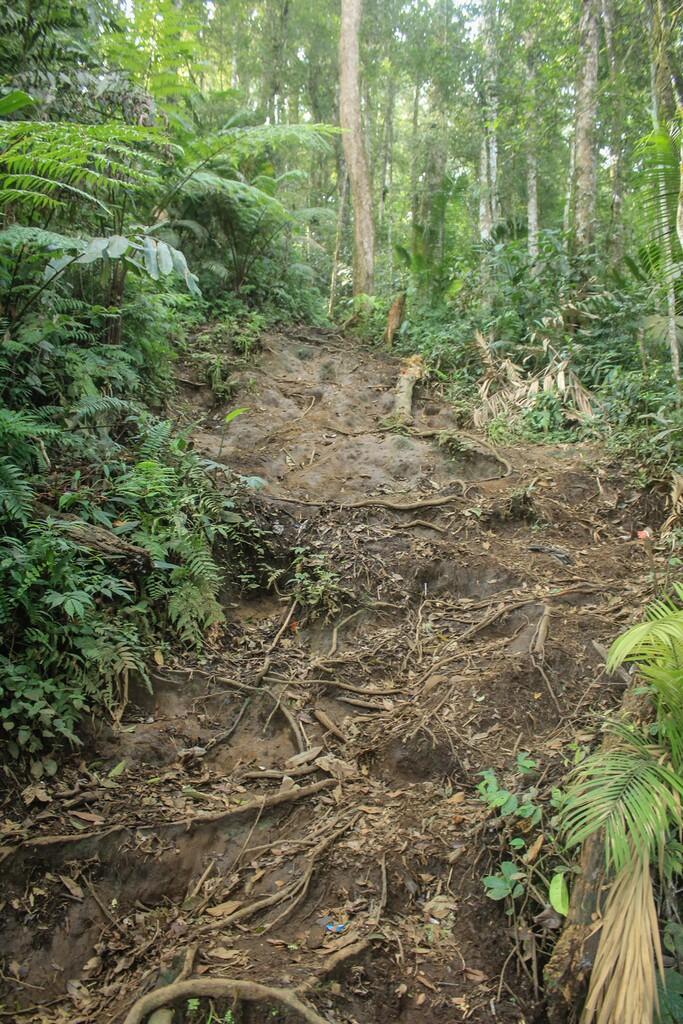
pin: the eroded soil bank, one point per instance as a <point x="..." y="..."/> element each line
<point x="300" y="808"/>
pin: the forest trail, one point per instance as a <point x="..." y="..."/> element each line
<point x="451" y="638"/>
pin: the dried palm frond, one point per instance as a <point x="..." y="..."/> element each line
<point x="484" y="351"/>
<point x="623" y="986"/>
<point x="516" y="392"/>
<point x="676" y="501"/>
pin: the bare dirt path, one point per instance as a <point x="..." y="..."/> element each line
<point x="300" y="808"/>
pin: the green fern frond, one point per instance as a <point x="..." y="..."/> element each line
<point x="16" y="493"/>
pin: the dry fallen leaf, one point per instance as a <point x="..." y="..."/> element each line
<point x="534" y="850"/>
<point x="224" y="909"/>
<point x="73" y="887"/>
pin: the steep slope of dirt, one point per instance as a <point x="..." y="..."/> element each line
<point x="300" y="809"/>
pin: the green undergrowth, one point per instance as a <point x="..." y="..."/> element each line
<point x="86" y="459"/>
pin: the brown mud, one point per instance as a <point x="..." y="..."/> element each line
<point x="450" y="638"/>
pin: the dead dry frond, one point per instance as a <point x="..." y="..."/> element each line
<point x="623" y="986"/>
<point x="507" y="390"/>
<point x="675" y="517"/>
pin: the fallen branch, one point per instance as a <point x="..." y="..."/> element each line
<point x="96" y="538"/>
<point x="259" y="805"/>
<point x="220" y="988"/>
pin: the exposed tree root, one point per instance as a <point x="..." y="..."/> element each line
<point x="88" y="844"/>
<point x="220" y="988"/>
<point x="295" y="892"/>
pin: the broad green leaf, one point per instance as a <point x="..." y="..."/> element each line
<point x="116" y="246"/>
<point x="12" y="101"/>
<point x="164" y="258"/>
<point x="149" y="250"/>
<point x="558" y="894"/>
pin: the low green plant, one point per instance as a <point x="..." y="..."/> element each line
<point x="311" y="582"/>
<point x="522" y="873"/>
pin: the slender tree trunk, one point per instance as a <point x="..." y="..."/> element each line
<point x="489" y="210"/>
<point x="531" y="157"/>
<point x="414" y="166"/>
<point x="387" y="145"/>
<point x="485" y="213"/>
<point x="354" y="148"/>
<point x="616" y="232"/>
<point x="337" y="243"/>
<point x="663" y="109"/>
<point x="532" y="203"/>
<point x="569" y="194"/>
<point x="586" y="114"/>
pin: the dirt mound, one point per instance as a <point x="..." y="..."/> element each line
<point x="301" y="809"/>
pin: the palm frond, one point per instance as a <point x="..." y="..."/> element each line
<point x="630" y="792"/>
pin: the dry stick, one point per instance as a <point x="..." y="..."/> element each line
<point x="478" y="441"/>
<point x="283" y="627"/>
<point x="383" y="897"/>
<point x="220" y="988"/>
<point x="274" y="773"/>
<point x="335" y="631"/>
<point x="370" y="691"/>
<point x="194" y="891"/>
<point x="328" y="724"/>
<point x="486" y="621"/>
<point x="290" y="719"/>
<point x="397" y="506"/>
<point x="360" y="703"/>
<point x="342" y="955"/>
<point x="259" y="805"/>
<point x="227" y="733"/>
<point x="544" y="675"/>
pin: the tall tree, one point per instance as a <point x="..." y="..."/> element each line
<point x="586" y="115"/>
<point x="531" y="154"/>
<point x="354" y="148"/>
<point x="488" y="157"/>
<point x="663" y="111"/>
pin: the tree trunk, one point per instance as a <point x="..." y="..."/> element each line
<point x="354" y="149"/>
<point x="531" y="158"/>
<point x="569" y="195"/>
<point x="485" y="214"/>
<point x="586" y="114"/>
<point x="663" y="110"/>
<point x="532" y="203"/>
<point x="616" y="233"/>
<point x="414" y="165"/>
<point x="387" y="146"/>
<point x="489" y="211"/>
<point x="337" y="242"/>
